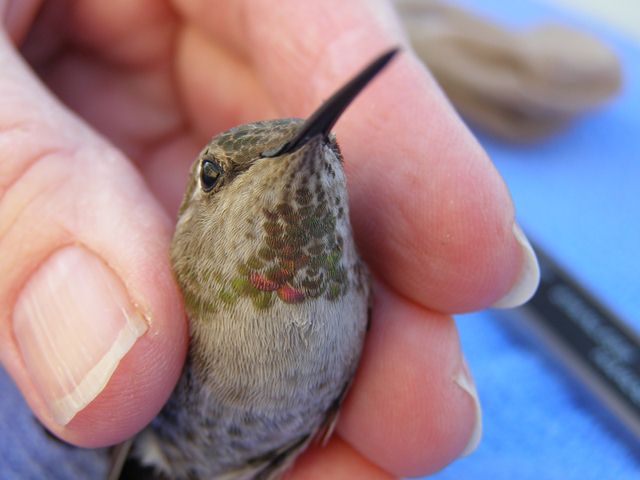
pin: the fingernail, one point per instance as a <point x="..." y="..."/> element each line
<point x="464" y="380"/>
<point x="73" y="323"/>
<point x="529" y="277"/>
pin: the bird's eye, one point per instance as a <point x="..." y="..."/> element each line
<point x="210" y="174"/>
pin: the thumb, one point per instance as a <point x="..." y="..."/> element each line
<point x="91" y="324"/>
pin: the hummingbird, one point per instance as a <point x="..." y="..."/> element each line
<point x="276" y="295"/>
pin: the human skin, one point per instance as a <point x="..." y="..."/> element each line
<point x="93" y="162"/>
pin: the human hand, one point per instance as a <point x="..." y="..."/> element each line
<point x="87" y="301"/>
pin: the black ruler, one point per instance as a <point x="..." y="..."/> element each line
<point x="589" y="338"/>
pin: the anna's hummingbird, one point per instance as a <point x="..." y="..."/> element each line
<point x="277" y="297"/>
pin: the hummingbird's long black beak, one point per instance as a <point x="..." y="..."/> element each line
<point x="324" y="118"/>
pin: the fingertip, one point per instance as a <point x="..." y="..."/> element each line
<point x="144" y="378"/>
<point x="430" y="211"/>
<point x="136" y="392"/>
<point x="95" y="361"/>
<point x="92" y="326"/>
<point x="413" y="407"/>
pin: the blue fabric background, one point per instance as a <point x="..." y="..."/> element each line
<point x="577" y="195"/>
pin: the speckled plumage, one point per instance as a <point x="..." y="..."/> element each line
<point x="277" y="300"/>
<point x="276" y="295"/>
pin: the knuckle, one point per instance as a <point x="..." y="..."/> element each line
<point x="29" y="212"/>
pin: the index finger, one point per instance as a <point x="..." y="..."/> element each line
<point x="432" y="215"/>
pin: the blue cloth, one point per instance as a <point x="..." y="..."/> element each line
<point x="577" y="195"/>
<point x="27" y="453"/>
